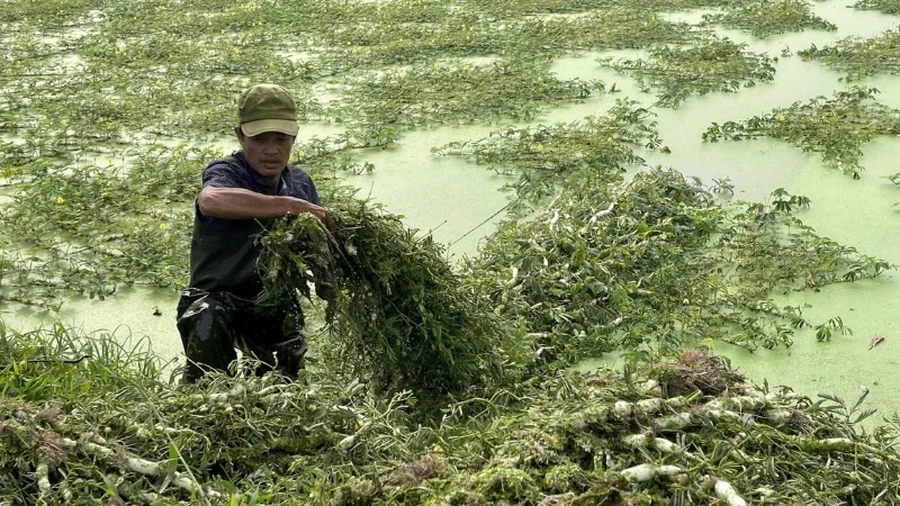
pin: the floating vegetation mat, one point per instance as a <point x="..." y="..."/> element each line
<point x="860" y="58"/>
<point x="883" y="6"/>
<point x="542" y="158"/>
<point x="433" y="385"/>
<point x="597" y="269"/>
<point x="90" y="228"/>
<point x="462" y="93"/>
<point x="106" y="429"/>
<point x="679" y="72"/>
<point x="837" y="127"/>
<point x="767" y="18"/>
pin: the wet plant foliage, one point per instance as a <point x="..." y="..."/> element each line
<point x="860" y="58"/>
<point x="767" y="18"/>
<point x="677" y="73"/>
<point x="837" y="127"/>
<point x="883" y="6"/>
<point x="402" y="316"/>
<point x="430" y="382"/>
<point x="542" y="158"/>
<point x="462" y="93"/>
<point x="595" y="269"/>
<point x="688" y="429"/>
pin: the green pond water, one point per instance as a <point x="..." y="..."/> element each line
<point x="461" y="203"/>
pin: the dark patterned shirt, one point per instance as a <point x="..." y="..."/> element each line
<point x="224" y="251"/>
<point x="235" y="172"/>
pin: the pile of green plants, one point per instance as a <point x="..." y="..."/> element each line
<point x="771" y="17"/>
<point x="837" y="127"/>
<point x="859" y="58"/>
<point x="688" y="430"/>
<point x="677" y="73"/>
<point x="402" y="317"/>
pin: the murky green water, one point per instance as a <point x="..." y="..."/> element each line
<point x="460" y="203"/>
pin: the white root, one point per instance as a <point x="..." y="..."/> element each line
<point x="779" y="416"/>
<point x="646" y="472"/>
<point x="738" y="403"/>
<point x="677" y="421"/>
<point x="620" y="192"/>
<point x="622" y="409"/>
<point x="651" y="386"/>
<point x="42" y="476"/>
<point x="66" y="492"/>
<point x="645" y="441"/>
<point x="718" y="409"/>
<point x="238" y="392"/>
<point x="649" y="406"/>
<point x="726" y="492"/>
<point x="94" y="445"/>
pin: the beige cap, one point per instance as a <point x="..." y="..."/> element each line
<point x="267" y="108"/>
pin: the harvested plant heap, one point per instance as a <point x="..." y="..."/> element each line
<point x="677" y="73"/>
<point x="647" y="265"/>
<point x="544" y="157"/>
<point x="837" y="127"/>
<point x="402" y="318"/>
<point x="771" y="17"/>
<point x="859" y="58"/>
<point x="689" y="431"/>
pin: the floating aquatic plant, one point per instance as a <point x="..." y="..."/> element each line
<point x="767" y="18"/>
<point x="883" y="6"/>
<point x="676" y="73"/>
<point x="595" y="270"/>
<point x="543" y="157"/>
<point x="837" y="127"/>
<point x="859" y="58"/>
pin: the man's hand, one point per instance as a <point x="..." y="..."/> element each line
<point x="304" y="206"/>
<point x="299" y="206"/>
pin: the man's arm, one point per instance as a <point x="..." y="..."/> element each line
<point x="240" y="204"/>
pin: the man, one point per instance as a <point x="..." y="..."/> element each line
<point x="240" y="197"/>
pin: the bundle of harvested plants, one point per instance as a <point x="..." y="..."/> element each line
<point x="401" y="315"/>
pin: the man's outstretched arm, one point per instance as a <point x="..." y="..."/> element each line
<point x="240" y="204"/>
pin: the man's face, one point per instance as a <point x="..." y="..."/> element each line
<point x="267" y="153"/>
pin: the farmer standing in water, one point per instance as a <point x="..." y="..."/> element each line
<point x="240" y="197"/>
